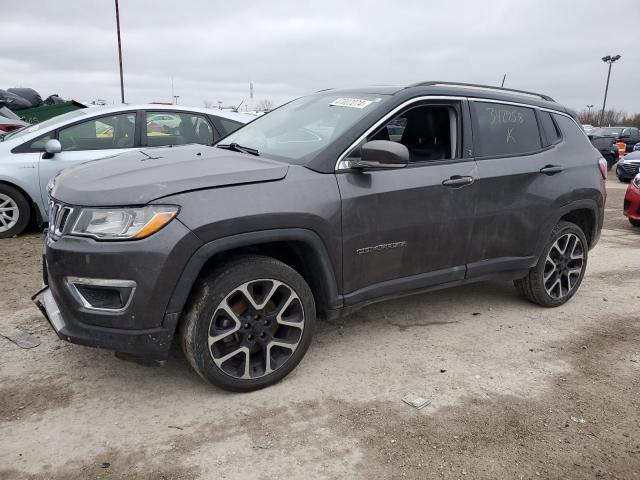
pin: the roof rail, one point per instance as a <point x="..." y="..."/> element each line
<point x="487" y="87"/>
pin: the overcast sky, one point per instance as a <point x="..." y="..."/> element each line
<point x="289" y="48"/>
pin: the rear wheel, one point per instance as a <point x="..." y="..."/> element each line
<point x="14" y="211"/>
<point x="248" y="324"/>
<point x="560" y="269"/>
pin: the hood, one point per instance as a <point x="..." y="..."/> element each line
<point x="632" y="156"/>
<point x="136" y="178"/>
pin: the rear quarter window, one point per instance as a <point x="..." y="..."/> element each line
<point x="501" y="129"/>
<point x="229" y="126"/>
<point x="549" y="128"/>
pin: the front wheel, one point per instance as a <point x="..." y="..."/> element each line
<point x="635" y="223"/>
<point x="560" y="269"/>
<point x="248" y="324"/>
<point x="14" y="211"/>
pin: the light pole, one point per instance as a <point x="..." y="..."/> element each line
<point x="608" y="59"/>
<point x="119" y="51"/>
<point x="175" y="99"/>
<point x="589" y="107"/>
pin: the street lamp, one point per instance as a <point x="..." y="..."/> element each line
<point x="608" y="59"/>
<point x="119" y="51"/>
<point x="589" y="107"/>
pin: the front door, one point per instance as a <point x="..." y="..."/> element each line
<point x="409" y="228"/>
<point x="89" y="140"/>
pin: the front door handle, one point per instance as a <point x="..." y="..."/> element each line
<point x="457" y="181"/>
<point x="551" y="169"/>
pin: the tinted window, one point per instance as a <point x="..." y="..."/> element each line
<point x="174" y="128"/>
<point x="428" y="132"/>
<point x="549" y="128"/>
<point x="116" y="131"/>
<point x="229" y="125"/>
<point x="501" y="129"/>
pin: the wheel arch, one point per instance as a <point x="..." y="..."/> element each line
<point x="584" y="213"/>
<point x="33" y="206"/>
<point x="301" y="249"/>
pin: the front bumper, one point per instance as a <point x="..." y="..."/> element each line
<point x="151" y="343"/>
<point x="145" y="327"/>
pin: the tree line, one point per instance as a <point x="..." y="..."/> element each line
<point x="611" y="118"/>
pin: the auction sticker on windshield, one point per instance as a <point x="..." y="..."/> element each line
<point x="350" y="102"/>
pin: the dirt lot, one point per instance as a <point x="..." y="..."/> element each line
<point x="505" y="376"/>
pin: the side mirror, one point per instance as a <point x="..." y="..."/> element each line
<point x="52" y="147"/>
<point x="382" y="154"/>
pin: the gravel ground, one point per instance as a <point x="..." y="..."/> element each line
<point x="505" y="377"/>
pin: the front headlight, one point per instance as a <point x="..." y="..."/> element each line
<point x="636" y="180"/>
<point x="123" y="223"/>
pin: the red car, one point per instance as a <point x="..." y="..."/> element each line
<point x="632" y="202"/>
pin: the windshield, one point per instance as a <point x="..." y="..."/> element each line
<point x="46" y="123"/>
<point x="301" y="128"/>
<point x="603" y="132"/>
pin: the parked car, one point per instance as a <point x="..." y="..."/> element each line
<point x="636" y="147"/>
<point x="31" y="156"/>
<point x="238" y="248"/>
<point x="629" y="135"/>
<point x="9" y="124"/>
<point x="628" y="166"/>
<point x="587" y="128"/>
<point x="607" y="147"/>
<point x="632" y="202"/>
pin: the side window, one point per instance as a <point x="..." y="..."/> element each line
<point x="175" y="128"/>
<point x="501" y="129"/>
<point x="229" y="126"/>
<point x="430" y="133"/>
<point x="116" y="131"/>
<point x="549" y="128"/>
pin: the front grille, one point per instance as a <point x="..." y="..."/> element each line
<point x="630" y="168"/>
<point x="59" y="215"/>
<point x="627" y="204"/>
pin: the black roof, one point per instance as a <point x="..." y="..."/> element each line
<point x="470" y="90"/>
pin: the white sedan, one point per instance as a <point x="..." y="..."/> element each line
<point x="31" y="156"/>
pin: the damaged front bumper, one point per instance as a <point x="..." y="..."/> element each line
<point x="150" y="343"/>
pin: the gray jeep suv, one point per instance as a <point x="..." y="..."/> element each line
<point x="328" y="203"/>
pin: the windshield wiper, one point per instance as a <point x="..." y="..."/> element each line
<point x="239" y="148"/>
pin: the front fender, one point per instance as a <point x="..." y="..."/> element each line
<point x="324" y="271"/>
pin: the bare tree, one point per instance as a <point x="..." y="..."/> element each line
<point x="207" y="104"/>
<point x="265" y="105"/>
<point x="611" y="118"/>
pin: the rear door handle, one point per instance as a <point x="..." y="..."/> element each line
<point x="551" y="169"/>
<point x="457" y="181"/>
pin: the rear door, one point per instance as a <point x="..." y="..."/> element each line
<point x="521" y="175"/>
<point x="409" y="228"/>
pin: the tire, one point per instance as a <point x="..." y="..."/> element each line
<point x="15" y="211"/>
<point x="224" y="308"/>
<point x="550" y="293"/>
<point x="635" y="223"/>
